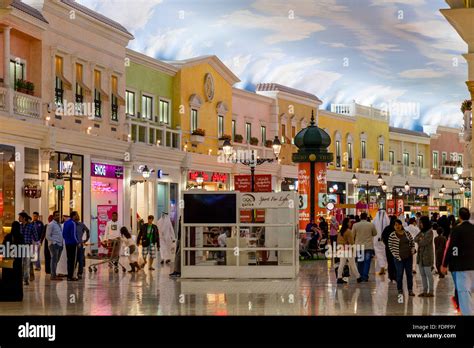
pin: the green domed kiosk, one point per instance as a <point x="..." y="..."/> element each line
<point x="312" y="158"/>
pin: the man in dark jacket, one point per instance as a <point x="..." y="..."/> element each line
<point x="459" y="257"/>
<point x="71" y="242"/>
<point x="149" y="240"/>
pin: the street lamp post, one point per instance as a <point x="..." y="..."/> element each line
<point x="252" y="162"/>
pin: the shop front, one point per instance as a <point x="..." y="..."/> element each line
<point x="7" y="187"/>
<point x="65" y="183"/>
<point x="209" y="181"/>
<point x="289" y="184"/>
<point x="106" y="196"/>
<point x="415" y="197"/>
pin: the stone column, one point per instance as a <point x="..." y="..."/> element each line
<point x="6" y="70"/>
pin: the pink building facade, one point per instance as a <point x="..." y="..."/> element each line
<point x="447" y="149"/>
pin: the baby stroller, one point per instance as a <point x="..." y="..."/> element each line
<point x="304" y="252"/>
<point x="112" y="257"/>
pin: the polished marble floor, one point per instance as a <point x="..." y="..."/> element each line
<point x="313" y="293"/>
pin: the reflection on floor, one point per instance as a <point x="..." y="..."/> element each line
<point x="152" y="293"/>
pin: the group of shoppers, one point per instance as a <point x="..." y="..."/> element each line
<point x="433" y="244"/>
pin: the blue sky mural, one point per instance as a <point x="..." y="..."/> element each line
<point x="394" y="54"/>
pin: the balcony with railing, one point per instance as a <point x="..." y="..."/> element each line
<point x="261" y="151"/>
<point x="384" y="167"/>
<point x="366" y="165"/>
<point x="354" y="109"/>
<point x="406" y="171"/>
<point x="16" y="103"/>
<point x="145" y="132"/>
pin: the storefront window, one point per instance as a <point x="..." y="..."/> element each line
<point x="7" y="187"/>
<point x="68" y="197"/>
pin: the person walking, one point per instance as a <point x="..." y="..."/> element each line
<point x="345" y="238"/>
<point x="39" y="227"/>
<point x="440" y="245"/>
<point x="381" y="221"/>
<point x="30" y="238"/>
<point x="81" y="229"/>
<point x="392" y="272"/>
<point x="333" y="230"/>
<point x="424" y="256"/>
<point x="364" y="233"/>
<point x="47" y="254"/>
<point x="54" y="236"/>
<point x="402" y="247"/>
<point x="148" y="238"/>
<point x="112" y="234"/>
<point x="459" y="258"/>
<point x="167" y="238"/>
<point x="71" y="242"/>
<point x="413" y="228"/>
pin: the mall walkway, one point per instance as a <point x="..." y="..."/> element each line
<point x="313" y="293"/>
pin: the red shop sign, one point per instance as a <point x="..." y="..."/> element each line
<point x="215" y="177"/>
<point x="243" y="183"/>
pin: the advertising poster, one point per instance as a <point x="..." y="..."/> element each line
<point x="400" y="207"/>
<point x="104" y="214"/>
<point x="321" y="188"/>
<point x="303" y="194"/>
<point x="390" y="206"/>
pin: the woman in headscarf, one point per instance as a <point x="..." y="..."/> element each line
<point x="381" y="221"/>
<point x="167" y="238"/>
<point x="11" y="286"/>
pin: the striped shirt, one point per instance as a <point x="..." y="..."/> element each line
<point x="394" y="244"/>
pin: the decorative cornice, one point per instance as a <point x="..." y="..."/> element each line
<point x="251" y="95"/>
<point x="152" y="63"/>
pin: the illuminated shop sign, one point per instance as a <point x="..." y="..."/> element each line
<point x="106" y="171"/>
<point x="208" y="177"/>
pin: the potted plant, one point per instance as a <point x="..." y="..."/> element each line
<point x="30" y="88"/>
<point x="253" y="141"/>
<point x="268" y="143"/>
<point x="20" y="86"/>
<point x="197" y="136"/>
<point x="238" y="138"/>
<point x="466" y="106"/>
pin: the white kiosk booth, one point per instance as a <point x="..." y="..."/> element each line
<point x="239" y="235"/>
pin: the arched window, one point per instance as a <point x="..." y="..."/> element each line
<point x="338" y="146"/>
<point x="350" y="151"/>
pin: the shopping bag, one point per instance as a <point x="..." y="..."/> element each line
<point x="6" y="263"/>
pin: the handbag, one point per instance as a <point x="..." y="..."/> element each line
<point x="131" y="249"/>
<point x="6" y="263"/>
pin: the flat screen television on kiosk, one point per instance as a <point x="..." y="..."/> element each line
<point x="214" y="208"/>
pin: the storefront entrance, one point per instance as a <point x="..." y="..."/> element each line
<point x="7" y="186"/>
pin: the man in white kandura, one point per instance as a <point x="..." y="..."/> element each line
<point x="381" y="221"/>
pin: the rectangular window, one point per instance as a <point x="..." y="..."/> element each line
<point x="293" y="134"/>
<point x="435" y="160"/>
<point x="114" y="101"/>
<point x="283" y="133"/>
<point x="59" y="88"/>
<point x="419" y="160"/>
<point x="165" y="112"/>
<point x="391" y="157"/>
<point x="460" y="159"/>
<point x="31" y="161"/>
<point x="406" y="159"/>
<point x="363" y="147"/>
<point x="381" y="150"/>
<point x="263" y="134"/>
<point x="248" y="131"/>
<point x="147" y="107"/>
<point x="17" y="72"/>
<point x="220" y="126"/>
<point x="338" y="153"/>
<point x="97" y="96"/>
<point x="130" y="103"/>
<point x="194" y="120"/>
<point x="79" y="90"/>
<point x="444" y="157"/>
<point x="349" y="151"/>
<point x="233" y="130"/>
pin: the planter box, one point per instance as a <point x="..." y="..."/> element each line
<point x="197" y="139"/>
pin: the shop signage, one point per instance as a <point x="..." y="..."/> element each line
<point x="243" y="183"/>
<point x="419" y="191"/>
<point x="246" y="216"/>
<point x="106" y="170"/>
<point x="390" y="206"/>
<point x="267" y="200"/>
<point x="214" y="177"/>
